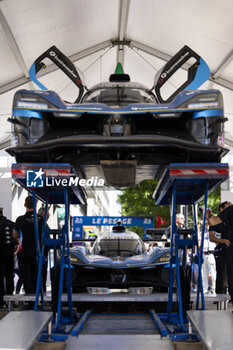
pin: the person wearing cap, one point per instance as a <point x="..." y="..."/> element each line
<point x="27" y="261"/>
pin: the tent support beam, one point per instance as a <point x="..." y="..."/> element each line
<point x="75" y="57"/>
<point x="227" y="60"/>
<point x="111" y="43"/>
<point x="222" y="82"/>
<point x="90" y="50"/>
<point x="123" y="19"/>
<point x="148" y="49"/>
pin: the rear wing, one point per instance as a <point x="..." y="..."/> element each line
<point x="198" y="73"/>
<point x="63" y="62"/>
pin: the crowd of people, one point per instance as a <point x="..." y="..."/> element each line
<point x="217" y="267"/>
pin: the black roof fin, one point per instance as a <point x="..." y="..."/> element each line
<point x="119" y="75"/>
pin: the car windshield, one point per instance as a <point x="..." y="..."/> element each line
<point x="119" y="96"/>
<point x="118" y="247"/>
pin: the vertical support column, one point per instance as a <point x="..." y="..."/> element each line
<point x="68" y="271"/>
<point x="39" y="288"/>
<point x="65" y="260"/>
<point x="39" y="285"/>
<point x="174" y="259"/>
<point x="200" y="254"/>
<point x="60" y="288"/>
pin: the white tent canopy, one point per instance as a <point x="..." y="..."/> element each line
<point x="96" y="34"/>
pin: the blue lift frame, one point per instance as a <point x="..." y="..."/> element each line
<point x="187" y="184"/>
<point x="56" y="194"/>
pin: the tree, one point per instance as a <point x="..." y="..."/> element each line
<point x="138" y="201"/>
<point x="214" y="200"/>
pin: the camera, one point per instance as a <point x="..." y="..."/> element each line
<point x="201" y="210"/>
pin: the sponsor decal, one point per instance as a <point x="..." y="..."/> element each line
<point x="85" y="108"/>
<point x="148" y="108"/>
<point x="182" y="57"/>
<point x="53" y="54"/>
<point x="41" y="92"/>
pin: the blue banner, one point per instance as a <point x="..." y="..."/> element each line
<point x="80" y="221"/>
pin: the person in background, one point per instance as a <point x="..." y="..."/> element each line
<point x="7" y="248"/>
<point x="219" y="235"/>
<point x="208" y="266"/>
<point x="226" y="216"/>
<point x="27" y="260"/>
<point x="179" y="220"/>
<point x="17" y="270"/>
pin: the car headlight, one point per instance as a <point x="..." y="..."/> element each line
<point x="203" y="100"/>
<point x="165" y="258"/>
<point x="75" y="260"/>
<point x="67" y="115"/>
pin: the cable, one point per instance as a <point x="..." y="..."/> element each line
<point x="90" y="65"/>
<point x="144" y="59"/>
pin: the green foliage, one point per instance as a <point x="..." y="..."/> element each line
<point x="138" y="201"/>
<point x="214" y="200"/>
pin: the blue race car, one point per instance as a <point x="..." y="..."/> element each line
<point x="120" y="130"/>
<point x="119" y="259"/>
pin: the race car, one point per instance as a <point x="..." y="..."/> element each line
<point x="121" y="131"/>
<point x="119" y="259"/>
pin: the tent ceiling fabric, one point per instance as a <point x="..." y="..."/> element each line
<point x="88" y="30"/>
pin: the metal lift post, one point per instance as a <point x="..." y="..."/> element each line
<point x="187" y="184"/>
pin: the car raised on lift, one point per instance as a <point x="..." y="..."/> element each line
<point x="120" y="125"/>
